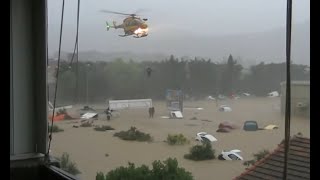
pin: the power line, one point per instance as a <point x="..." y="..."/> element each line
<point x="76" y="44"/>
<point x="57" y="79"/>
<point x="76" y="50"/>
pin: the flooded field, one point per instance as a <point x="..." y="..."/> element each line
<point x="88" y="147"/>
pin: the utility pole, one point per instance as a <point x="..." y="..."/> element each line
<point x="288" y="91"/>
<point x="87" y="84"/>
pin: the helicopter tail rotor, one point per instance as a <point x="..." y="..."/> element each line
<point x="108" y="26"/>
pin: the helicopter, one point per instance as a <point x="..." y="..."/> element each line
<point x="132" y="25"/>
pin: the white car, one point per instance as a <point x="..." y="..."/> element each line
<point x="211" y="98"/>
<point x="230" y="155"/>
<point x="221" y="97"/>
<point x="225" y="108"/>
<point x="273" y="94"/>
<point x="236" y="97"/>
<point x="205" y="137"/>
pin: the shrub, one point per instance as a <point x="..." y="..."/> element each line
<point x="103" y="128"/>
<point x="55" y="129"/>
<point x="86" y="124"/>
<point x="257" y="157"/>
<point x="177" y="139"/>
<point x="167" y="169"/>
<point x="67" y="165"/>
<point x="201" y="152"/>
<point x="100" y="176"/>
<point x="133" y="135"/>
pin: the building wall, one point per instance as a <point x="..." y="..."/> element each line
<point x="300" y="93"/>
<point x="28" y="103"/>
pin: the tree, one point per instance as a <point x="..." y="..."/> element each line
<point x="230" y="76"/>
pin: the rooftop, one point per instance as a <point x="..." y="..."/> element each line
<point x="271" y="167"/>
<point x="307" y="83"/>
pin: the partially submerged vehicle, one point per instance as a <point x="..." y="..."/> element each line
<point x="271" y="127"/>
<point x="205" y="137"/>
<point x="211" y="98"/>
<point x="226" y="127"/>
<point x="250" y="126"/>
<point x="230" y="155"/>
<point x="227" y="124"/>
<point x="221" y="97"/>
<point x="223" y="130"/>
<point x="89" y="115"/>
<point x="273" y="94"/>
<point x="225" y="108"/>
<point x="176" y="115"/>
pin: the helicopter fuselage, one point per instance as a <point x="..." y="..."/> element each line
<point x="133" y="26"/>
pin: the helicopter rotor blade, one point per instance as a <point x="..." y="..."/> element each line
<point x="139" y="11"/>
<point x="133" y="14"/>
<point x="114" y="12"/>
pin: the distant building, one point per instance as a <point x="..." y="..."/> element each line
<point x="300" y="98"/>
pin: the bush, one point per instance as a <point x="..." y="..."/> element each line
<point x="67" y="165"/>
<point x="167" y="170"/>
<point x="100" y="176"/>
<point x="103" y="128"/>
<point x="133" y="135"/>
<point x="86" y="124"/>
<point x="177" y="139"/>
<point x="257" y="157"/>
<point x="201" y="152"/>
<point x="55" y="129"/>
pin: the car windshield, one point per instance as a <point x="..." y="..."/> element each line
<point x="233" y="157"/>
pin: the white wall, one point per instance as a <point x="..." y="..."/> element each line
<point x="28" y="103"/>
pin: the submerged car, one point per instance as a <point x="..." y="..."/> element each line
<point x="225" y="108"/>
<point x="211" y="98"/>
<point x="221" y="97"/>
<point x="205" y="137"/>
<point x="230" y="155"/>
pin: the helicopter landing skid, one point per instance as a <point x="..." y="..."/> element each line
<point x="137" y="36"/>
<point x="124" y="35"/>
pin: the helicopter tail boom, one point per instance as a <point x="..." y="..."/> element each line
<point x="115" y="25"/>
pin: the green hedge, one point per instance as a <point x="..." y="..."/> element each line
<point x="166" y="170"/>
<point x="103" y="128"/>
<point x="55" y="128"/>
<point x="133" y="135"/>
<point x="177" y="139"/>
<point x="201" y="152"/>
<point x="67" y="165"/>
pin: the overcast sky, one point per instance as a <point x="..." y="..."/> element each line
<point x="168" y="17"/>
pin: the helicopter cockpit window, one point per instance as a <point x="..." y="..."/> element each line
<point x="133" y="23"/>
